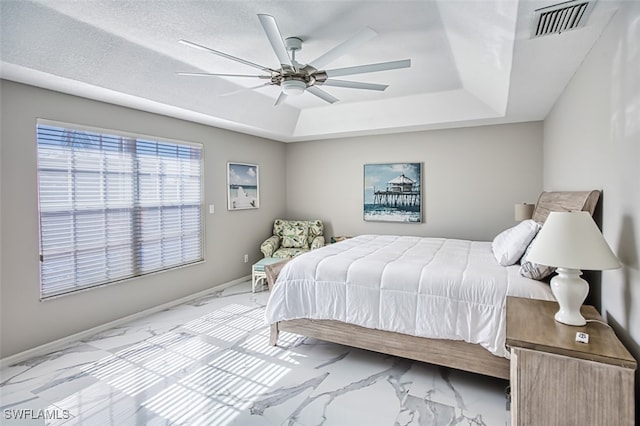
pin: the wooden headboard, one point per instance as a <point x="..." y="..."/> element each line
<point x="564" y="201"/>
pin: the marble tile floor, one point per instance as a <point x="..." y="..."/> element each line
<point x="208" y="362"/>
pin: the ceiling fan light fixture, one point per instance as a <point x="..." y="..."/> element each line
<point x="293" y="87"/>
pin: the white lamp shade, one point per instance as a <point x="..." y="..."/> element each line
<point x="572" y="240"/>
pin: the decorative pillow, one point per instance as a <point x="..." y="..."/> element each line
<point x="509" y="246"/>
<point x="294" y="235"/>
<point x="534" y="270"/>
<point x="316" y="228"/>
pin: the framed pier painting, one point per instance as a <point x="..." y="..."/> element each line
<point x="393" y="192"/>
<point x="243" y="190"/>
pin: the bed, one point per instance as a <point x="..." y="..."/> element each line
<point x="435" y="300"/>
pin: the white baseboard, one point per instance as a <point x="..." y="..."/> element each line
<point x="60" y="343"/>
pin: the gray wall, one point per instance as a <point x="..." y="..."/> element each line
<point x="592" y="140"/>
<point x="25" y="321"/>
<point x="472" y="177"/>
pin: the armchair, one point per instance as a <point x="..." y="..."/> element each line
<point x="292" y="237"/>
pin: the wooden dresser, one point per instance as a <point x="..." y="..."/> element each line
<point x="558" y="381"/>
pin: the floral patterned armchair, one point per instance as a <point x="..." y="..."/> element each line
<point x="292" y="237"/>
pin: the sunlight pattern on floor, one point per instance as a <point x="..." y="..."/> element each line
<point x="208" y="362"/>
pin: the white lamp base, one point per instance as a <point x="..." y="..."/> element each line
<point x="570" y="291"/>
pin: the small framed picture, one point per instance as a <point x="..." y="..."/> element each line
<point x="243" y="190"/>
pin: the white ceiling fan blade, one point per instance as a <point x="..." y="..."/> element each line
<point x="354" y="42"/>
<point x="281" y="98"/>
<point x="275" y="38"/>
<point x="355" y="85"/>
<point x="361" y="69"/>
<point x="322" y="94"/>
<point x="224" y="55"/>
<point x="244" y="89"/>
<point x="207" y="74"/>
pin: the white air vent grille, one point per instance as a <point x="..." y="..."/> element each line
<point x="560" y="18"/>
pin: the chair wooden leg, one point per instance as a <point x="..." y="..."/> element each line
<point x="273" y="337"/>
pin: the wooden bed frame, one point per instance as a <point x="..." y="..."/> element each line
<point x="449" y="353"/>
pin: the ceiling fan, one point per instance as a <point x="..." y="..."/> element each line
<point x="295" y="78"/>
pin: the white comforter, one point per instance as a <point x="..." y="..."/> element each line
<point x="428" y="287"/>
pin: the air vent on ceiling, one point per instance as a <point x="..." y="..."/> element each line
<point x="560" y="17"/>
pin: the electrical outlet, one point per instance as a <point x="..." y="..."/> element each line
<point x="246" y="258"/>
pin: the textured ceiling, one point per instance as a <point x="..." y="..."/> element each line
<point x="472" y="61"/>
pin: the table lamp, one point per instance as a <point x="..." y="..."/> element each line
<point x="523" y="211"/>
<point x="571" y="241"/>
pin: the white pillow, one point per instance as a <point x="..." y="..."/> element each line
<point x="509" y="246"/>
<point x="532" y="270"/>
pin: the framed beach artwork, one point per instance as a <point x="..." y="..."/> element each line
<point x="393" y="192"/>
<point x="243" y="190"/>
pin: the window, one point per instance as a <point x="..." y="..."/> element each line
<point x="114" y="206"/>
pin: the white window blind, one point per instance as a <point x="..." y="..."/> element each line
<point x="114" y="206"/>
